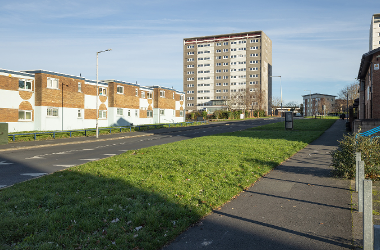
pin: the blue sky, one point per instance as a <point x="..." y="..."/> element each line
<point x="317" y="45"/>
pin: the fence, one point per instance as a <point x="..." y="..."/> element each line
<point x="85" y="131"/>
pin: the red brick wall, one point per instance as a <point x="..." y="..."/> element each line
<point x="8" y="115"/>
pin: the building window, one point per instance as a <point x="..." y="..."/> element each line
<point x="218" y="84"/>
<point x="190" y="98"/>
<point x="102" y="91"/>
<point x="190" y="85"/>
<point x="225" y="57"/>
<point x="120" y="89"/>
<point x="225" y="84"/>
<point x="79" y="87"/>
<point x="162" y="111"/>
<point x="219" y="64"/>
<point x="190" y="104"/>
<point x="190" y="92"/>
<point x="142" y="94"/>
<point x="253" y="69"/>
<point x="190" y="79"/>
<point x="102" y="114"/>
<point x="52" y="83"/>
<point x="252" y="83"/>
<point x="254" y="48"/>
<point x="218" y="77"/>
<point x="149" y="113"/>
<point x="190" y="59"/>
<point x="52" y="112"/>
<point x="80" y="113"/>
<point x="129" y="113"/>
<point x="119" y="111"/>
<point x="149" y="95"/>
<point x="24" y="84"/>
<point x="218" y="91"/>
<point x="162" y="93"/>
<point x="225" y="43"/>
<point x="254" y="40"/>
<point x="181" y="98"/>
<point x="225" y="90"/>
<point x="190" y="66"/>
<point x="254" y="55"/>
<point x="218" y="44"/>
<point x="24" y="115"/>
<point x="225" y="64"/>
<point x="136" y="113"/>
<point x="253" y="76"/>
<point x="136" y="92"/>
<point x="190" y="53"/>
<point x="181" y="113"/>
<point x="190" y="47"/>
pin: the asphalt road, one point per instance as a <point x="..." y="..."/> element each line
<point x="23" y="161"/>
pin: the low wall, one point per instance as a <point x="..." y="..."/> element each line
<point x="365" y="125"/>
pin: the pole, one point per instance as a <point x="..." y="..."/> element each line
<point x="281" y="95"/>
<point x="97" y="96"/>
<point x="62" y="106"/>
<point x="347" y="105"/>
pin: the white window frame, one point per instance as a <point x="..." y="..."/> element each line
<point x="79" y="87"/>
<point x="119" y="112"/>
<point x="162" y="93"/>
<point x="25" y="84"/>
<point x="137" y="113"/>
<point x="162" y="111"/>
<point x="52" y="83"/>
<point x="80" y="114"/>
<point x="102" y="91"/>
<point x="120" y="89"/>
<point x="149" y="113"/>
<point x="24" y="115"/>
<point x="102" y="114"/>
<point x="149" y="95"/>
<point x="52" y="112"/>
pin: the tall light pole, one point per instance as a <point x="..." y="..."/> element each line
<point x="97" y="90"/>
<point x="310" y="98"/>
<point x="280" y="92"/>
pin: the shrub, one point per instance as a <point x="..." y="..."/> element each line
<point x="343" y="158"/>
<point x="260" y="112"/>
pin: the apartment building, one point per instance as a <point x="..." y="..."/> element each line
<point x="218" y="70"/>
<point x="43" y="100"/>
<point x="374" y="32"/>
<point x="318" y="104"/>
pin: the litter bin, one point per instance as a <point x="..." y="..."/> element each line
<point x="3" y="133"/>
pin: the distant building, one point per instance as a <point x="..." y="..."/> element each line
<point x="229" y="70"/>
<point x="43" y="100"/>
<point x="318" y="104"/>
<point x="374" y="32"/>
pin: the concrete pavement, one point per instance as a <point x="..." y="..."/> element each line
<point x="298" y="205"/>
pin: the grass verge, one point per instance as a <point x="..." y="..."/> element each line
<point x="143" y="199"/>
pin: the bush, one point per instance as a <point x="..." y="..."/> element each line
<point x="260" y="112"/>
<point x="343" y="158"/>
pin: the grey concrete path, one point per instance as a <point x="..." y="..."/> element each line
<point x="296" y="206"/>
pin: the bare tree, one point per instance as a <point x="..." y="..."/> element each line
<point x="352" y="91"/>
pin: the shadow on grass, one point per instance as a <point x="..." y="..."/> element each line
<point x="71" y="209"/>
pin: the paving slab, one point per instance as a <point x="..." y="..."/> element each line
<point x="298" y="205"/>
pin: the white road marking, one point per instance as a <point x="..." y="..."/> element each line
<point x="61" y="153"/>
<point x="110" y="154"/>
<point x="89" y="159"/>
<point x="34" y="157"/>
<point x="5" y="163"/>
<point x="123" y="150"/>
<point x="64" y="166"/>
<point x="34" y="174"/>
<point x="88" y="149"/>
<point x="1" y="186"/>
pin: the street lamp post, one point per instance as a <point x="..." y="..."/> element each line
<point x="97" y="90"/>
<point x="309" y="98"/>
<point x="280" y="92"/>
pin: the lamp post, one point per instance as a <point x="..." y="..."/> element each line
<point x="280" y="92"/>
<point x="97" y="90"/>
<point x="309" y="98"/>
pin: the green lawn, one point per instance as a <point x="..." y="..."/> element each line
<point x="143" y="199"/>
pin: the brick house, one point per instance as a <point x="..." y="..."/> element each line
<point x="369" y="77"/>
<point x="44" y="100"/>
<point x="369" y="89"/>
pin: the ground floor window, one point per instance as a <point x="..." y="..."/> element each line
<point x="119" y="111"/>
<point x="149" y="113"/>
<point x="181" y="113"/>
<point x="80" y="113"/>
<point x="24" y="115"/>
<point x="52" y="112"/>
<point x="102" y="114"/>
